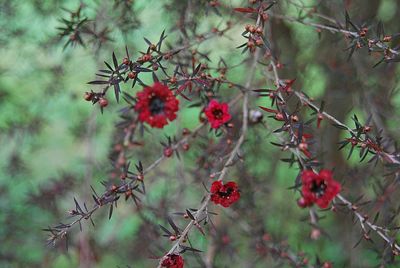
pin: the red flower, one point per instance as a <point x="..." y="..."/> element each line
<point x="173" y="261"/>
<point x="318" y="188"/>
<point x="217" y="113"/>
<point x="224" y="194"/>
<point x="156" y="105"/>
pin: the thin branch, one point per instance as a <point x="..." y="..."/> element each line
<point x="203" y="207"/>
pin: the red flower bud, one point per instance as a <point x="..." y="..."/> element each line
<point x="126" y="61"/>
<point x="103" y="102"/>
<point x="186" y="146"/>
<point x="301" y="202"/>
<point x="168" y="152"/>
<point x="279" y="117"/>
<point x="132" y="75"/>
<point x="88" y="96"/>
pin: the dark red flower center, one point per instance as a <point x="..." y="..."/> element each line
<point x="226" y="193"/>
<point x="217" y="113"/>
<point x="156" y="106"/>
<point x="318" y="188"/>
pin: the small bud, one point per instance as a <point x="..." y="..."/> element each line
<point x="168" y="152"/>
<point x="387" y="38"/>
<point x="226" y="239"/>
<point x="72" y="212"/>
<point x="252" y="29"/>
<point x="367" y="128"/>
<point x="315" y="234"/>
<point x="132" y="75"/>
<point x="266" y="237"/>
<point x="167" y="56"/>
<point x="103" y="102"/>
<point x="126" y="61"/>
<point x="186" y="146"/>
<point x="363" y="31"/>
<point x="214" y="3"/>
<point x="250" y="44"/>
<point x="363" y="145"/>
<point x="259" y="42"/>
<point x="279" y="117"/>
<point x="185" y="131"/>
<point x="173" y="80"/>
<point x="146" y="57"/>
<point x="265" y="16"/>
<point x="303" y="146"/>
<point x="353" y="142"/>
<point x="327" y="265"/>
<point x="118" y="147"/>
<point x="128" y="193"/>
<point x="320" y="117"/>
<point x="301" y="202"/>
<point x="88" y="96"/>
<point x="295" y="118"/>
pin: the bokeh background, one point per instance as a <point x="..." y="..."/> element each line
<point x="54" y="145"/>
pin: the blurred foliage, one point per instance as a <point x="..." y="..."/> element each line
<point x="49" y="155"/>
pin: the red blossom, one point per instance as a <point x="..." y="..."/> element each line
<point x="224" y="194"/>
<point x="318" y="188"/>
<point x="217" y="113"/>
<point x="173" y="261"/>
<point x="156" y="105"/>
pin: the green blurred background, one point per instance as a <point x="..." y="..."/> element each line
<point x="54" y="144"/>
